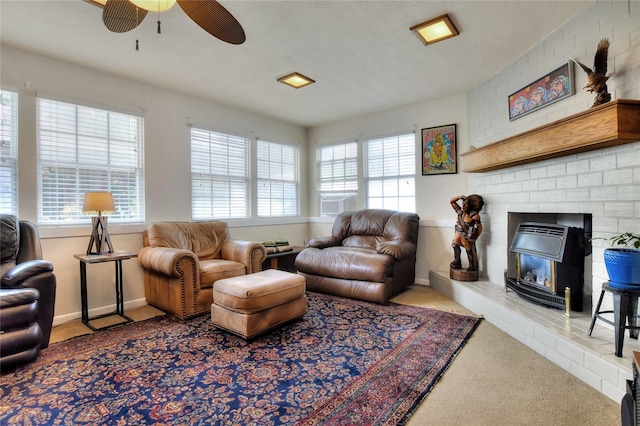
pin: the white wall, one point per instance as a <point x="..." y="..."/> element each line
<point x="167" y="166"/>
<point x="606" y="182"/>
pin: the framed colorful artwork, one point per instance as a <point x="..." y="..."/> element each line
<point x="556" y="85"/>
<point x="439" y="153"/>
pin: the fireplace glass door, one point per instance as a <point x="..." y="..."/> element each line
<point x="536" y="271"/>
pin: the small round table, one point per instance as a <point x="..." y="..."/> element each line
<point x="625" y="313"/>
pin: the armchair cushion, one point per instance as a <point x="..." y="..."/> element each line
<point x="348" y="263"/>
<point x="370" y="255"/>
<point x="204" y="239"/>
<point x="217" y="269"/>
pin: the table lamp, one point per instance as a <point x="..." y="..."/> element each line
<point x="99" y="202"/>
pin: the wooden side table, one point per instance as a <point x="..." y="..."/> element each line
<point x="117" y="258"/>
<point x="287" y="259"/>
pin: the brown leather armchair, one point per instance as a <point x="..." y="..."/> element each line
<point x="182" y="260"/>
<point x="27" y="293"/>
<point x="370" y="255"/>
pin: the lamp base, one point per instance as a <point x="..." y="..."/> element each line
<point x="99" y="237"/>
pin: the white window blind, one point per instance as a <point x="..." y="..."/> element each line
<point x="220" y="175"/>
<point x="85" y="149"/>
<point x="390" y="173"/>
<point x="337" y="178"/>
<point x="8" y="152"/>
<point x="278" y="179"/>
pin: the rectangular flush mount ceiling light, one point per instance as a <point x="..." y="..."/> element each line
<point x="296" y="80"/>
<point x="435" y="30"/>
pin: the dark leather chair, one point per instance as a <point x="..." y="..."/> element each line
<point x="27" y="293"/>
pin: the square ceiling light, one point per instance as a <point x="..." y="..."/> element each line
<point x="296" y="80"/>
<point x="435" y="30"/>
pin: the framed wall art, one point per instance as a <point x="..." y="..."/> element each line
<point x="556" y="85"/>
<point x="439" y="152"/>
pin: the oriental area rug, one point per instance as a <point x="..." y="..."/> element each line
<point x="345" y="363"/>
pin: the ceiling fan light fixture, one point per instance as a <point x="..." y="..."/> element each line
<point x="154" y="5"/>
<point x="296" y="80"/>
<point x="435" y="30"/>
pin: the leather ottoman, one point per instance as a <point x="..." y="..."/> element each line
<point x="251" y="304"/>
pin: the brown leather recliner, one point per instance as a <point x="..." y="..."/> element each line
<point x="27" y="293"/>
<point x="182" y="260"/>
<point x="370" y="255"/>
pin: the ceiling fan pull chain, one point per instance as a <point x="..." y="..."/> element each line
<point x="137" y="25"/>
<point x="159" y="32"/>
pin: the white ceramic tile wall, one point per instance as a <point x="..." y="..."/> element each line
<point x="605" y="183"/>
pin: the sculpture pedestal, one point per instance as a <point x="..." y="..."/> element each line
<point x="463" y="275"/>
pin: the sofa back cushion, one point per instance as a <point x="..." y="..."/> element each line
<point x="369" y="227"/>
<point x="9" y="241"/>
<point x="205" y="239"/>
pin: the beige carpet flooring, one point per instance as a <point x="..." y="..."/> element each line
<point x="494" y="380"/>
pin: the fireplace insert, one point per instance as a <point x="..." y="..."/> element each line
<point x="549" y="264"/>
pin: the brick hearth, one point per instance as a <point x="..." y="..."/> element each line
<point x="562" y="340"/>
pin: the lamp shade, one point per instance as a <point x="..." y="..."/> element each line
<point x="98" y="202"/>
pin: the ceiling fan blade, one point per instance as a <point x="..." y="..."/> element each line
<point x="212" y="17"/>
<point x="121" y="16"/>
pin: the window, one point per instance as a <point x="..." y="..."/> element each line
<point x="390" y="173"/>
<point x="8" y="152"/>
<point x="83" y="149"/>
<point x="278" y="179"/>
<point x="337" y="178"/>
<point x="220" y="175"/>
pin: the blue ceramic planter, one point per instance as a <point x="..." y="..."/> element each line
<point x="623" y="266"/>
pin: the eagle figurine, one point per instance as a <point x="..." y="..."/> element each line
<point x="597" y="78"/>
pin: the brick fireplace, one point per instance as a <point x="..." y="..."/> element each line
<point x="604" y="183"/>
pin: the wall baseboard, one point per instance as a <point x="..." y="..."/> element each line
<point x="132" y="304"/>
<point x="422" y="281"/>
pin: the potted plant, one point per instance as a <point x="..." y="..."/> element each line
<point x="622" y="259"/>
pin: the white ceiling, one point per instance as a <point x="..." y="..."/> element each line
<point x="361" y="53"/>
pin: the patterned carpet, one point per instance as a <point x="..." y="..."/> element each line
<point x="346" y="362"/>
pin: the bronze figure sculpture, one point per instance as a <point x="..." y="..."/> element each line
<point x="467" y="230"/>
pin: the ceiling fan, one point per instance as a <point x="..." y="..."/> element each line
<point x="124" y="15"/>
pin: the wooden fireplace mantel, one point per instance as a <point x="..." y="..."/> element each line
<point x="614" y="123"/>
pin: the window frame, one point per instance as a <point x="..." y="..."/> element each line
<point x="386" y="178"/>
<point x="332" y="202"/>
<point x="121" y="173"/>
<point x="279" y="175"/>
<point x="9" y="153"/>
<point x="246" y="178"/>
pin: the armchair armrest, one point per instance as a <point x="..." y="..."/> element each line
<point x="167" y="261"/>
<point x="323" y="242"/>
<point x="250" y="253"/>
<point x="399" y="249"/>
<point x="23" y="271"/>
